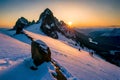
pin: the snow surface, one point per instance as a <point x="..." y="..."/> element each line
<point x="12" y="50"/>
<point x="35" y="28"/>
<point x="80" y="64"/>
<point x="75" y="64"/>
<point x="22" y="71"/>
<point x="12" y="33"/>
<point x="15" y="62"/>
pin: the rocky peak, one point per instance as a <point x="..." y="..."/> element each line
<point x="48" y="25"/>
<point x="21" y="22"/>
<point x="48" y="11"/>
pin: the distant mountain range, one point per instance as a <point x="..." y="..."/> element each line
<point x="109" y="38"/>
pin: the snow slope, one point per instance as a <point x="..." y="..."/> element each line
<point x="74" y="64"/>
<point x="12" y="50"/>
<point x="15" y="62"/>
<point x="22" y="71"/>
<point x="35" y="28"/>
<point x="79" y="63"/>
<point x="12" y="33"/>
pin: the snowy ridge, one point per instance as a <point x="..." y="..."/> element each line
<point x="35" y="28"/>
<point x="79" y="63"/>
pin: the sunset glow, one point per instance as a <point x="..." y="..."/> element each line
<point x="70" y="23"/>
<point x="80" y="12"/>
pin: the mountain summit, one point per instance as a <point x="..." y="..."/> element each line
<point x="50" y="25"/>
<point x="47" y="12"/>
<point x="21" y="22"/>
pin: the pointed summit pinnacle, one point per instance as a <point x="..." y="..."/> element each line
<point x="48" y="11"/>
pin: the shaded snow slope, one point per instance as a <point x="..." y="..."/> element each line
<point x="35" y="28"/>
<point x="12" y="33"/>
<point x="22" y="71"/>
<point x="12" y="50"/>
<point x="79" y="63"/>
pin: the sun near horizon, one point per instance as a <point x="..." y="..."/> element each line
<point x="70" y="23"/>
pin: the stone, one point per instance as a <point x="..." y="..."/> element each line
<point x="40" y="52"/>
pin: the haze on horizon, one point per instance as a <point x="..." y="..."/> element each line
<point x="79" y="12"/>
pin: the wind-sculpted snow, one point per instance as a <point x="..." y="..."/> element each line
<point x="79" y="63"/>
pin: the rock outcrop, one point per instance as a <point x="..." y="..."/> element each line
<point x="21" y="22"/>
<point x="40" y="52"/>
<point x="48" y="25"/>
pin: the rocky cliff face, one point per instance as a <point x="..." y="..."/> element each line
<point x="48" y="25"/>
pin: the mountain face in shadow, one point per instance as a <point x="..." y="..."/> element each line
<point x="50" y="25"/>
<point x="22" y="23"/>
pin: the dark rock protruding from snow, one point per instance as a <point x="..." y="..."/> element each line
<point x="19" y="30"/>
<point x="21" y="23"/>
<point x="40" y="52"/>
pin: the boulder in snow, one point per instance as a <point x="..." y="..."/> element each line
<point x="40" y="52"/>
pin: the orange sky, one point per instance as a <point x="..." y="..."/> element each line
<point x="79" y="12"/>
